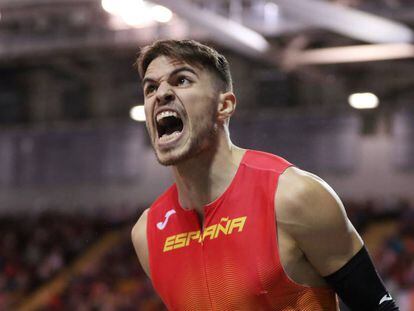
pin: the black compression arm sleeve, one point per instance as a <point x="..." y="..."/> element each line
<point x="359" y="286"/>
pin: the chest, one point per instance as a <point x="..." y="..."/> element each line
<point x="230" y="259"/>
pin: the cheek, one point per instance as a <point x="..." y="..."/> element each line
<point x="147" y="111"/>
<point x="200" y="106"/>
<point x="204" y="116"/>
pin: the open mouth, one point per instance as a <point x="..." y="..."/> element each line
<point x="169" y="125"/>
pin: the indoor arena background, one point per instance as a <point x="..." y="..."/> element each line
<point x="327" y="84"/>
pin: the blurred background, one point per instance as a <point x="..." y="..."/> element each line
<point x="327" y="84"/>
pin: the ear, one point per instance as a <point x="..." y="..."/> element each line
<point x="226" y="106"/>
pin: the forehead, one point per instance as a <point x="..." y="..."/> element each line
<point x="163" y="65"/>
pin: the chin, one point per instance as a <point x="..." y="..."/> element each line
<point x="168" y="162"/>
<point x="180" y="155"/>
<point x="172" y="156"/>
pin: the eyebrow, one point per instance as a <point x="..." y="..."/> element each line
<point x="172" y="73"/>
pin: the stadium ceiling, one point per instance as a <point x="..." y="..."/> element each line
<point x="289" y="33"/>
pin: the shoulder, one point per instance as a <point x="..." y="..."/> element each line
<point x="310" y="212"/>
<point x="139" y="230"/>
<point x="305" y="196"/>
<point x="139" y="240"/>
<point x="265" y="161"/>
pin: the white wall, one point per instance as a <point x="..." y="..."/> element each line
<point x="375" y="175"/>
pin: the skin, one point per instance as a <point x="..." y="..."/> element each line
<point x="204" y="162"/>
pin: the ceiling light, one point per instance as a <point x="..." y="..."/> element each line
<point x="137" y="17"/>
<point x="363" y="101"/>
<point x="271" y="12"/>
<point x="135" y="13"/>
<point x="161" y="14"/>
<point x="110" y="6"/>
<point x="137" y="113"/>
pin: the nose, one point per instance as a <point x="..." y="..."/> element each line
<point x="165" y="94"/>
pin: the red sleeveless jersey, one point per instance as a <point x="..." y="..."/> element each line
<point x="233" y="262"/>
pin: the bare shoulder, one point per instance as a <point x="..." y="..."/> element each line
<point x="139" y="240"/>
<point x="310" y="211"/>
<point x="306" y="196"/>
<point x="140" y="226"/>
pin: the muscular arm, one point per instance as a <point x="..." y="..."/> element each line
<point x="139" y="240"/>
<point x="313" y="215"/>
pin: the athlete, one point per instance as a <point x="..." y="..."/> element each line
<point x="239" y="229"/>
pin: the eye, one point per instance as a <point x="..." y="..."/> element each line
<point x="183" y="81"/>
<point x="149" y="89"/>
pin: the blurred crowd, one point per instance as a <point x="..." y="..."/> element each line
<point x="394" y="259"/>
<point x="35" y="249"/>
<point x="365" y="213"/>
<point x="113" y="282"/>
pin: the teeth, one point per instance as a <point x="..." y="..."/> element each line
<point x="165" y="114"/>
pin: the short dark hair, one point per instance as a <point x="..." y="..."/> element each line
<point x="191" y="52"/>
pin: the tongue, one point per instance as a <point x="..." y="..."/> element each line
<point x="167" y="137"/>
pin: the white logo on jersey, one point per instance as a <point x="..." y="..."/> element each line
<point x="161" y="225"/>
<point x="386" y="297"/>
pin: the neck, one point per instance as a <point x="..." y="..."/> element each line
<point x="202" y="179"/>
